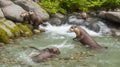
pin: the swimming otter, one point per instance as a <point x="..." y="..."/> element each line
<point x="84" y="37"/>
<point x="45" y="54"/>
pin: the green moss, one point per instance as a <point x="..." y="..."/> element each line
<point x="12" y="27"/>
<point x="25" y="31"/>
<point x="29" y="26"/>
<point x="8" y="30"/>
<point x="3" y="36"/>
<point x="16" y="31"/>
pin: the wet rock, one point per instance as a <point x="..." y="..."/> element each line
<point x="115" y="32"/>
<point x="58" y="15"/>
<point x="100" y="27"/>
<point x="111" y="16"/>
<point x="30" y="5"/>
<point x="36" y="31"/>
<point x="55" y="21"/>
<point x="102" y="14"/>
<point x="74" y="20"/>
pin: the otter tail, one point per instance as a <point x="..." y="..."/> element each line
<point x="35" y="48"/>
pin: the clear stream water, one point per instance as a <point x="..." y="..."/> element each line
<point x="73" y="54"/>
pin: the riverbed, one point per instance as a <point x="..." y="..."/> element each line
<point x="73" y="54"/>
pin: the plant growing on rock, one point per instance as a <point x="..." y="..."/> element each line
<point x="3" y="36"/>
<point x="25" y="31"/>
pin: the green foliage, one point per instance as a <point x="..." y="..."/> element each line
<point x="111" y="4"/>
<point x="25" y="31"/>
<point x="54" y="6"/>
<point x="74" y="5"/>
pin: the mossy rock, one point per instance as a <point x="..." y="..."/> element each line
<point x="25" y="31"/>
<point x="3" y="36"/>
<point x="13" y="27"/>
<point x="29" y="26"/>
<point x="7" y="30"/>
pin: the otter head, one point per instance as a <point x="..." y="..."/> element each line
<point x="84" y="16"/>
<point x="54" y="50"/>
<point x="75" y="29"/>
<point x="31" y="12"/>
<point x="24" y="14"/>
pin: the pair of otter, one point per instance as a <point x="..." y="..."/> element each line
<point x="83" y="37"/>
<point x="45" y="54"/>
<point x="32" y="18"/>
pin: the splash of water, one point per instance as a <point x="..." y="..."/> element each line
<point x="63" y="45"/>
<point x="63" y="30"/>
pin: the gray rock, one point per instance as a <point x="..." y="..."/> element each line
<point x="111" y="16"/>
<point x="4" y="3"/>
<point x="55" y="21"/>
<point x="74" y="20"/>
<point x="1" y="13"/>
<point x="58" y="15"/>
<point x="115" y="32"/>
<point x="100" y="27"/>
<point x="11" y="10"/>
<point x="30" y="5"/>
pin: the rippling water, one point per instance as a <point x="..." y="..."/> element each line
<point x="73" y="54"/>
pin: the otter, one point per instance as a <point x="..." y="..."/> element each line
<point x="83" y="37"/>
<point x="32" y="18"/>
<point x="36" y="20"/>
<point x="84" y="16"/>
<point x="25" y="17"/>
<point x="45" y="54"/>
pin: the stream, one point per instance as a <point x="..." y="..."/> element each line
<point x="73" y="54"/>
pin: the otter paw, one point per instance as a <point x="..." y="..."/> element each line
<point x="75" y="39"/>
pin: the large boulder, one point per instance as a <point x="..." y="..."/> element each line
<point x="31" y="5"/>
<point x="11" y="10"/>
<point x="111" y="16"/>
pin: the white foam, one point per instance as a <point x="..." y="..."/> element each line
<point x="63" y="30"/>
<point x="63" y="45"/>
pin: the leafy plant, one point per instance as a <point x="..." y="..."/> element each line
<point x="63" y="6"/>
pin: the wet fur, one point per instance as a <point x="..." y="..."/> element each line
<point x="36" y="20"/>
<point x="84" y="37"/>
<point x="45" y="54"/>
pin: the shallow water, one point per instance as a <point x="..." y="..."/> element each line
<point x="73" y="54"/>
